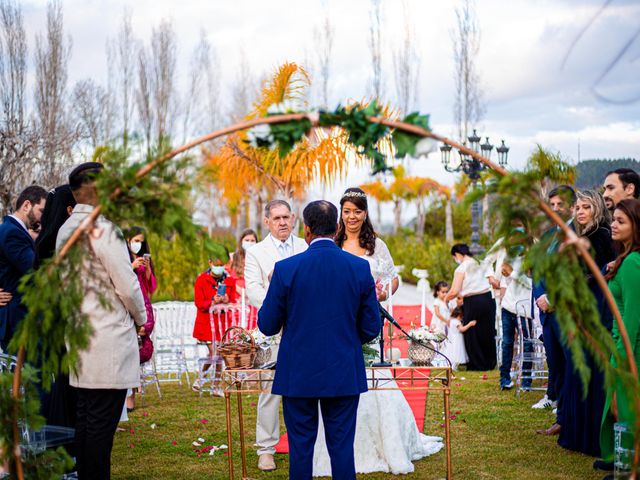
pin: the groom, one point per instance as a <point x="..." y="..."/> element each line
<point x="324" y="299"/>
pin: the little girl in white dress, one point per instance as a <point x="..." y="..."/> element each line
<point x="450" y="322"/>
<point x="453" y="347"/>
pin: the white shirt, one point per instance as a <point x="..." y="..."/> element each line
<point x="320" y="239"/>
<point x="285" y="249"/>
<point x="475" y="277"/>
<point x="20" y="222"/>
<point x="517" y="296"/>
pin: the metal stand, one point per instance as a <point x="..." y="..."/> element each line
<point x="382" y="363"/>
<point x="429" y="379"/>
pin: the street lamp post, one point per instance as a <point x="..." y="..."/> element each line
<point x="472" y="168"/>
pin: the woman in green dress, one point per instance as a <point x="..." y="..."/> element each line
<point x="624" y="278"/>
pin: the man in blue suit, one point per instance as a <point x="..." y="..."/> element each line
<point x="16" y="256"/>
<point x="561" y="200"/>
<point x="324" y="300"/>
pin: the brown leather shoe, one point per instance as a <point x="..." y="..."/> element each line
<point x="552" y="430"/>
<point x="266" y="462"/>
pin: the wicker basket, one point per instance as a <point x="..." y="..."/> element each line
<point x="419" y="354"/>
<point x="238" y="352"/>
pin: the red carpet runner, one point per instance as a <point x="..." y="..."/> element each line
<point x="405" y="315"/>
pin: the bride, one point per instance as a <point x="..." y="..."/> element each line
<point x="387" y="437"/>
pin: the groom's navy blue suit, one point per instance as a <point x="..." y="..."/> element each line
<point x="324" y="300"/>
<point x="16" y="259"/>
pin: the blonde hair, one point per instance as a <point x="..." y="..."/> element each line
<point x="601" y="215"/>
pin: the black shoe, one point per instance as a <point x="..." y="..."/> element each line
<point x="602" y="465"/>
<point x="608" y="477"/>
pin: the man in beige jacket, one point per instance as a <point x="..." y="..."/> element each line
<point x="258" y="267"/>
<point x="110" y="364"/>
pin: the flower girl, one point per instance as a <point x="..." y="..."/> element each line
<point x="441" y="312"/>
<point x="453" y="347"/>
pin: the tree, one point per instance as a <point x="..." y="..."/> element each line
<point x="125" y="66"/>
<point x="323" y="36"/>
<point x="375" y="48"/>
<point x="143" y="95"/>
<point x="379" y="191"/>
<point x="163" y="68"/>
<point x="91" y="106"/>
<point x="468" y="106"/>
<point x="399" y="191"/>
<point x="19" y="141"/>
<point x="52" y="119"/>
<point x="256" y="172"/>
<point x="406" y="63"/>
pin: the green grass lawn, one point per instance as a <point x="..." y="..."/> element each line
<point x="493" y="437"/>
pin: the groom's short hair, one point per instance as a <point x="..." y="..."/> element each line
<point x="321" y="217"/>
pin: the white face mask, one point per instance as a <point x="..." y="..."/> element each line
<point x="135" y="247"/>
<point x="247" y="244"/>
<point x="217" y="271"/>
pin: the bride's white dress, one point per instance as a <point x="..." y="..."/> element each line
<point x="387" y="437"/>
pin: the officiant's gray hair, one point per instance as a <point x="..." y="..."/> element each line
<point x="274" y="203"/>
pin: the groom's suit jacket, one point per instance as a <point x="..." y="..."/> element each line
<point x="258" y="264"/>
<point x="325" y="301"/>
<point x="16" y="259"/>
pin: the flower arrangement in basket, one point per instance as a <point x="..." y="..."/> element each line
<point x="418" y="353"/>
<point x="264" y="344"/>
<point x="238" y="348"/>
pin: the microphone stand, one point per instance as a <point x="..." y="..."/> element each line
<point x="382" y="363"/>
<point x="384" y="314"/>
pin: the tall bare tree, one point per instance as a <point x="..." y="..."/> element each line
<point x="375" y="48"/>
<point x="323" y="35"/>
<point x="19" y="142"/>
<point x="143" y="95"/>
<point x="243" y="90"/>
<point x="163" y="88"/>
<point x="51" y="116"/>
<point x="406" y="63"/>
<point x="91" y="105"/>
<point x="124" y="51"/>
<point x="201" y="107"/>
<point x="13" y="65"/>
<point x="468" y="108"/>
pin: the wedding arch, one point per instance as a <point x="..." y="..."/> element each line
<point x="363" y="127"/>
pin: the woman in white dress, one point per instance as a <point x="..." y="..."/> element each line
<point x="387" y="437"/>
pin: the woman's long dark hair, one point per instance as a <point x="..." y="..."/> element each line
<point x="54" y="215"/>
<point x="367" y="235"/>
<point x="631" y="208"/>
<point x="237" y="264"/>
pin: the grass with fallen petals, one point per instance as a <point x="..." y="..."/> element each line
<point x="493" y="435"/>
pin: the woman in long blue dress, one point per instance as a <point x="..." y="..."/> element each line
<point x="580" y="416"/>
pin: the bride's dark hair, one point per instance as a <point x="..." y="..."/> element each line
<point x="367" y="235"/>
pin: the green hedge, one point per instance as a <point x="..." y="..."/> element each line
<point x="177" y="263"/>
<point x="432" y="254"/>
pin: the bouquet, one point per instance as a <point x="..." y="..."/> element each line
<point x="426" y="334"/>
<point x="262" y="340"/>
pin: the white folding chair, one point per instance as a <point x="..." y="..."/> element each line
<point x="169" y="333"/>
<point x="529" y="354"/>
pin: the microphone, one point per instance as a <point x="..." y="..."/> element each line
<point x="387" y="316"/>
<point x="392" y="321"/>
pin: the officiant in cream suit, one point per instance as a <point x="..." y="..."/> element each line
<point x="259" y="262"/>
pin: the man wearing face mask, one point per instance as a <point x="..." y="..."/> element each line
<point x="17" y="250"/>
<point x="259" y="263"/>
